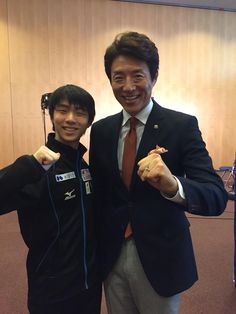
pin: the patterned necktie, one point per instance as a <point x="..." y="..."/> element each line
<point x="129" y="153"/>
<point x="129" y="156"/>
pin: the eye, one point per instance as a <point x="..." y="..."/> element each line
<point x="81" y="113"/>
<point x="61" y="110"/>
<point x="118" y="78"/>
<point x="138" y="77"/>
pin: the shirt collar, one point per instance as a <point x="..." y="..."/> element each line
<point x="142" y="116"/>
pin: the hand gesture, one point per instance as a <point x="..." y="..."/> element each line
<point x="153" y="170"/>
<point x="46" y="156"/>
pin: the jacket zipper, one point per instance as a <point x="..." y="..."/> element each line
<point x="78" y="165"/>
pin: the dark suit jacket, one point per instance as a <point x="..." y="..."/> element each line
<point x="160" y="227"/>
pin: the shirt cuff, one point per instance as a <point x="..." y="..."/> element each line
<point x="179" y="197"/>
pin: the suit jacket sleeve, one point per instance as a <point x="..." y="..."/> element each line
<point x="204" y="190"/>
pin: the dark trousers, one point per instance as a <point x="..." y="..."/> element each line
<point x="86" y="302"/>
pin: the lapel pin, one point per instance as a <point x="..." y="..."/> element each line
<point x="156" y="126"/>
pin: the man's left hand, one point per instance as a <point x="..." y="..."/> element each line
<point x="153" y="170"/>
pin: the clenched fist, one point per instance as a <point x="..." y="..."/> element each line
<point x="153" y="170"/>
<point x="46" y="156"/>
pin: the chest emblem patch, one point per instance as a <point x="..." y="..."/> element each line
<point x="65" y="176"/>
<point x="85" y="174"/>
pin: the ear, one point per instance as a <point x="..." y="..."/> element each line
<point x="53" y="127"/>
<point x="155" y="78"/>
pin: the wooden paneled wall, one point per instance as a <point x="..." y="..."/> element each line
<point x="47" y="43"/>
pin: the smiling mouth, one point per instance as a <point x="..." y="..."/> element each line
<point x="69" y="129"/>
<point x="131" y="98"/>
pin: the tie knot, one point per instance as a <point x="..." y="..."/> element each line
<point x="133" y="122"/>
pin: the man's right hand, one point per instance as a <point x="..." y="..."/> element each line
<point x="46" y="156"/>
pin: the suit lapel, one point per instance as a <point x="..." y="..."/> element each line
<point x="151" y="134"/>
<point x="114" y="133"/>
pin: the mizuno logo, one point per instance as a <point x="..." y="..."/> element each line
<point x="69" y="195"/>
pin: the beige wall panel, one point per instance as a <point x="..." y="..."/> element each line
<point x="6" y="140"/>
<point x="6" y="147"/>
<point x="28" y="134"/>
<point x="27" y="117"/>
<point x="67" y="48"/>
<point x="29" y="64"/>
<point x="4" y="60"/>
<point x="28" y="41"/>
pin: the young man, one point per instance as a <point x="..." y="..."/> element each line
<point x="145" y="243"/>
<point x="52" y="193"/>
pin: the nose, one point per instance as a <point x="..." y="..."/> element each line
<point x="129" y="85"/>
<point x="70" y="116"/>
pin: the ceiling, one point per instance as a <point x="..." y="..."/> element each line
<point x="224" y="5"/>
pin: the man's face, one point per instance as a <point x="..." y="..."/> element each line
<point x="70" y="123"/>
<point x="131" y="83"/>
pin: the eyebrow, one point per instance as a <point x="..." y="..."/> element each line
<point x="134" y="71"/>
<point x="77" y="106"/>
<point x="62" y="104"/>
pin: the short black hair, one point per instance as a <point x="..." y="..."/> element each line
<point x="135" y="45"/>
<point x="75" y="95"/>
